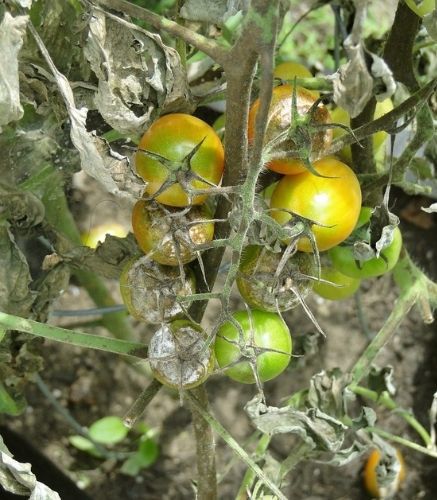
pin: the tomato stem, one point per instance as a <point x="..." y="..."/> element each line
<point x="385" y="400"/>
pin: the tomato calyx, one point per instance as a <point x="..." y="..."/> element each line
<point x="298" y="139"/>
<point x="180" y="172"/>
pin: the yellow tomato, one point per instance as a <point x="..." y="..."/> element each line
<point x="289" y="70"/>
<point x="332" y="201"/>
<point x="98" y="234"/>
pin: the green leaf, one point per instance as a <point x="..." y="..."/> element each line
<point x="8" y="404"/>
<point x="84" y="444"/>
<point x="148" y="452"/>
<point x="132" y="466"/>
<point x="108" y="430"/>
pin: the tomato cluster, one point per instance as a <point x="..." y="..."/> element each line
<point x="181" y="160"/>
<point x="315" y="207"/>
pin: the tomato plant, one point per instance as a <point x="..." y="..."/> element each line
<point x="178" y="356"/>
<point x="280" y="120"/>
<point x="266" y="346"/>
<point x="150" y="291"/>
<point x="266" y="286"/>
<point x="333" y="202"/>
<point x="169" y="237"/>
<point x="344" y="261"/>
<point x="393" y="474"/>
<point x="346" y="286"/>
<point x="175" y="137"/>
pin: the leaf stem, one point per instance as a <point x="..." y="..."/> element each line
<point x="78" y="339"/>
<point x="401" y="308"/>
<point x="140" y="404"/>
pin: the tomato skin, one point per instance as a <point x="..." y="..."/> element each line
<point x="269" y="332"/>
<point x="348" y="285"/>
<point x="174" y="136"/>
<point x="279" y="121"/>
<point x="178" y="357"/>
<point x="370" y="476"/>
<point x="149" y="290"/>
<point x="288" y="70"/>
<point x="333" y="201"/>
<point x="259" y="287"/>
<point x="343" y="259"/>
<point x="152" y="230"/>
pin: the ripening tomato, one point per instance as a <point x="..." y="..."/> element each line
<point x="289" y="70"/>
<point x="333" y="201"/>
<point x="370" y="475"/>
<point x="347" y="286"/>
<point x="266" y="339"/>
<point x="178" y="355"/>
<point x="261" y="289"/>
<point x="174" y="137"/>
<point x="279" y="121"/>
<point x="150" y="291"/>
<point x="164" y="235"/>
<point x="342" y="258"/>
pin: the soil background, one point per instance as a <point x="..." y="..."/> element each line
<point x="92" y="384"/>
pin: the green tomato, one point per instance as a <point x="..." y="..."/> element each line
<point x="265" y="335"/>
<point x="364" y="217"/>
<point x="342" y="258"/>
<point x="347" y="285"/>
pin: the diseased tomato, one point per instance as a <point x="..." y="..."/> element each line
<point x="279" y="121"/>
<point x="262" y="289"/>
<point x="342" y="258"/>
<point x="178" y="356"/>
<point x="165" y="234"/>
<point x="393" y="475"/>
<point x="266" y="339"/>
<point x="289" y="70"/>
<point x="150" y="291"/>
<point x="347" y="285"/>
<point x="333" y="201"/>
<point x="175" y="137"/>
